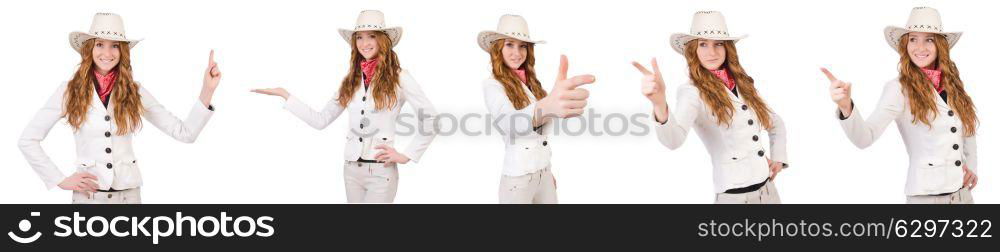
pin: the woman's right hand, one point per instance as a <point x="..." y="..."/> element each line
<point x="566" y="99"/>
<point x="840" y="93"/>
<point x="81" y="182"/>
<point x="272" y="91"/>
<point x="654" y="89"/>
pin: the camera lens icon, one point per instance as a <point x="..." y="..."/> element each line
<point x="25" y="225"/>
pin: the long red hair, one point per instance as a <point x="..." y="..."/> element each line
<point x="920" y="93"/>
<point x="714" y="92"/>
<point x="507" y="77"/>
<point x="386" y="77"/>
<point x="124" y="95"/>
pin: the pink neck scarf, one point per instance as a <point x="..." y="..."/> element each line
<point x="521" y="75"/>
<point x="723" y="75"/>
<point x="935" y="76"/>
<point x="368" y="69"/>
<point x="105" y="83"/>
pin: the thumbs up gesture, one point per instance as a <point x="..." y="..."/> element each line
<point x="566" y="98"/>
<point x="840" y="93"/>
<point x="654" y="89"/>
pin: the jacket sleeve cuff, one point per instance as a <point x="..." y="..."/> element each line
<point x="53" y="183"/>
<point x="412" y="155"/>
<point x="656" y="122"/>
<point x="200" y="115"/>
<point x="840" y="114"/>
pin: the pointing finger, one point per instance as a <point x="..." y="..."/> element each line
<point x="828" y="74"/>
<point x="641" y="68"/>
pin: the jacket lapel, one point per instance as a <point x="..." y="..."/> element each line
<point x="940" y="101"/>
<point x="96" y="100"/>
<point x="732" y="96"/>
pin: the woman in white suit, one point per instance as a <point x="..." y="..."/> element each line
<point x="722" y="105"/>
<point x="373" y="94"/>
<point x="515" y="97"/>
<point x="103" y="104"/>
<point x="928" y="102"/>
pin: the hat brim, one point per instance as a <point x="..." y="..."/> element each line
<point x="678" y="40"/>
<point x="76" y="40"/>
<point x="486" y="39"/>
<point x="893" y="33"/>
<point x="394" y="33"/>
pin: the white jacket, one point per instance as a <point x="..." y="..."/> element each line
<point x="526" y="150"/>
<point x="99" y="151"/>
<point x="736" y="151"/>
<point x="937" y="153"/>
<point x="379" y="125"/>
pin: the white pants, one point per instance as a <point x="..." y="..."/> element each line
<point x="130" y="196"/>
<point x="533" y="188"/>
<point x="767" y="194"/>
<point x="370" y="182"/>
<point x="962" y="196"/>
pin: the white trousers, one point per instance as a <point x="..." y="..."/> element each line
<point x="962" y="196"/>
<point x="130" y="196"/>
<point x="533" y="188"/>
<point x="767" y="194"/>
<point x="370" y="182"/>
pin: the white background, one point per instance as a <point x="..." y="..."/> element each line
<point x="252" y="151"/>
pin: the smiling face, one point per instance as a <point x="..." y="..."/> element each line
<point x="106" y="54"/>
<point x="711" y="53"/>
<point x="515" y="52"/>
<point x="920" y="46"/>
<point x="366" y="43"/>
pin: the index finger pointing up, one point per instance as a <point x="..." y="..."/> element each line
<point x="828" y="74"/>
<point x="211" y="56"/>
<point x="563" y="68"/>
<point x="656" y="68"/>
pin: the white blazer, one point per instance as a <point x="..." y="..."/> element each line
<point x="937" y="152"/>
<point x="99" y="151"/>
<point x="526" y="150"/>
<point x="736" y="151"/>
<point x="369" y="127"/>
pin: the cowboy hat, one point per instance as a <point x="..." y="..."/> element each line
<point x="705" y="25"/>
<point x="922" y="19"/>
<point x="372" y="20"/>
<point x="510" y="26"/>
<point x="107" y="26"/>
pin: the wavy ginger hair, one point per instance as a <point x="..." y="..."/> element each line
<point x="124" y="94"/>
<point x="385" y="80"/>
<point x="507" y="77"/>
<point x="714" y="92"/>
<point x="920" y="93"/>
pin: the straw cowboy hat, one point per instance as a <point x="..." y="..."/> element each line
<point x="105" y="26"/>
<point x="510" y="26"/>
<point x="922" y="19"/>
<point x="705" y="25"/>
<point x="372" y="20"/>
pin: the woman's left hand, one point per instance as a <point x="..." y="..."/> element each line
<point x="212" y="77"/>
<point x="389" y="155"/>
<point x="971" y="179"/>
<point x="776" y="167"/>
